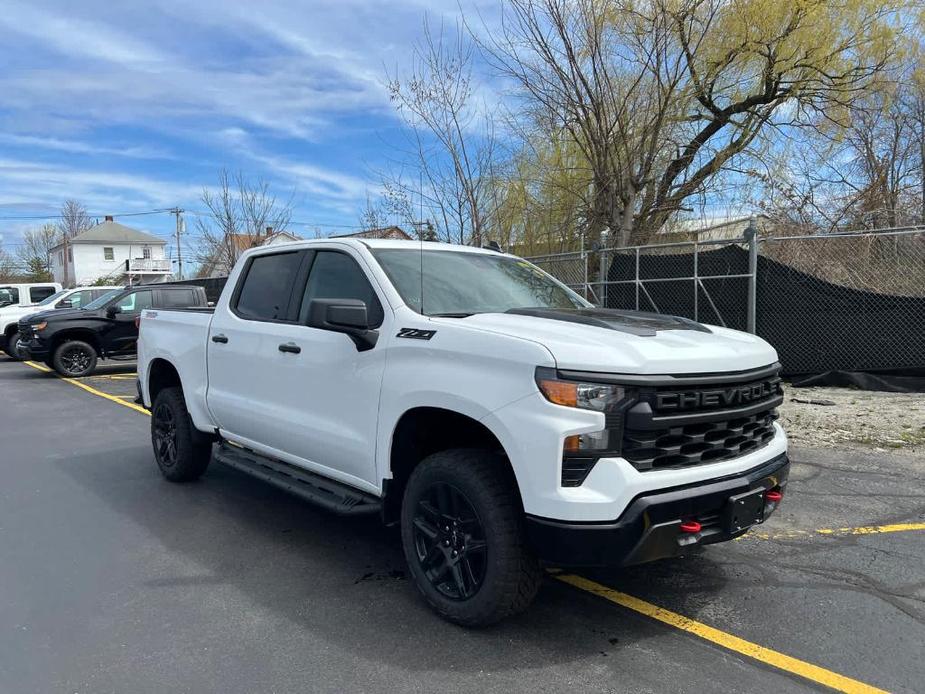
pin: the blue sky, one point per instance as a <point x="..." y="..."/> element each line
<point x="135" y="106"/>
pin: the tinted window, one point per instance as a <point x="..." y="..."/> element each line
<point x="134" y="302"/>
<point x="178" y="298"/>
<point x="337" y="276"/>
<point x="268" y="286"/>
<point x="38" y="294"/>
<point x="103" y="299"/>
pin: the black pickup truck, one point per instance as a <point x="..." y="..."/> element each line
<point x="71" y="341"/>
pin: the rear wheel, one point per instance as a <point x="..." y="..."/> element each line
<point x="463" y="537"/>
<point x="181" y="452"/>
<point x="74" y="358"/>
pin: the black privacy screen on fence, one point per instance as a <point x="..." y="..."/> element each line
<point x="816" y="326"/>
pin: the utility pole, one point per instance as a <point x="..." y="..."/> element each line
<point x="177" y="211"/>
<point x="65" y="282"/>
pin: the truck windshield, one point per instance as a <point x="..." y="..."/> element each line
<point x="99" y="302"/>
<point x="458" y="283"/>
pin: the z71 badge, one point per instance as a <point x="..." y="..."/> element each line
<point x="415" y="334"/>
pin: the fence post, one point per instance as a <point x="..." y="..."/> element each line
<point x="751" y="236"/>
<point x="602" y="270"/>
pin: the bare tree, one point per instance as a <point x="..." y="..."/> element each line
<point x="452" y="158"/>
<point x="241" y="214"/>
<point x="35" y="251"/>
<point x="74" y="219"/>
<point x="661" y="97"/>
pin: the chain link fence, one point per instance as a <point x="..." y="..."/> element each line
<point x="838" y="302"/>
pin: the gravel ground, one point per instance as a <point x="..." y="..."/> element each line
<point x="859" y="419"/>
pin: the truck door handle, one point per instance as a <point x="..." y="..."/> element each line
<point x="290" y="347"/>
<point x="220" y="338"/>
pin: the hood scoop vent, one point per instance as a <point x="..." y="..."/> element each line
<point x="638" y="323"/>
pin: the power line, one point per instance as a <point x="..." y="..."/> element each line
<point x="60" y="216"/>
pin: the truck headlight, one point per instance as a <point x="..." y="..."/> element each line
<point x="586" y="396"/>
<point x="610" y="399"/>
<point x="38" y="327"/>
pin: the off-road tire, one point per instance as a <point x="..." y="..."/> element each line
<point x="511" y="573"/>
<point x="63" y="358"/>
<point x="186" y="455"/>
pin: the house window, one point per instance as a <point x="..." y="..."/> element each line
<point x="108" y="254"/>
<point x="70" y="254"/>
<point x="146" y="253"/>
<point x="60" y="257"/>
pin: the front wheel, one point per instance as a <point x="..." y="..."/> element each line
<point x="463" y="538"/>
<point x="12" y="347"/>
<point x="181" y="452"/>
<point x="74" y="358"/>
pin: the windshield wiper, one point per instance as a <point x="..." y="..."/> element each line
<point x="451" y="314"/>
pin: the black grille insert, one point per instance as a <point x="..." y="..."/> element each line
<point x="695" y="444"/>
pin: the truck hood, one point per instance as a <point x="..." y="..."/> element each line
<point x="55" y="314"/>
<point x="628" y="341"/>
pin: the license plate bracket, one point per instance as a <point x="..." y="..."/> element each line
<point x="744" y="510"/>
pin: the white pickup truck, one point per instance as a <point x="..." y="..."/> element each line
<point x="465" y="394"/>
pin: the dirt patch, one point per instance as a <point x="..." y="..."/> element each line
<point x="829" y="417"/>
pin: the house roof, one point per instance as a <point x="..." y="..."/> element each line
<point x="392" y="232"/>
<point x="242" y="242"/>
<point x="113" y="232"/>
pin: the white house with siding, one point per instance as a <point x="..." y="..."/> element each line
<point x="113" y="251"/>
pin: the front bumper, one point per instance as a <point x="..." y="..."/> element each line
<point x="34" y="349"/>
<point x="649" y="528"/>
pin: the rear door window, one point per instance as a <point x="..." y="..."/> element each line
<point x="37" y="294"/>
<point x="267" y="286"/>
<point x="177" y="298"/>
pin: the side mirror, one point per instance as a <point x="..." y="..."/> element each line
<point x="65" y="303"/>
<point x="346" y="316"/>
<point x="112" y="311"/>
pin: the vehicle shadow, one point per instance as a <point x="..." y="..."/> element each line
<point x="343" y="579"/>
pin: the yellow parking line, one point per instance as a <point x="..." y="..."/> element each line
<point x="721" y="638"/>
<point x="835" y="532"/>
<point x="708" y="633"/>
<point x="91" y="389"/>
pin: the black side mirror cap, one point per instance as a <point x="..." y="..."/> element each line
<point x="348" y="316"/>
<point x="65" y="303"/>
<point x="112" y="311"/>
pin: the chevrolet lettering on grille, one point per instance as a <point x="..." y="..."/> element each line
<point x="717" y="397"/>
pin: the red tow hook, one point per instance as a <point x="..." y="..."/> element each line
<point x="772" y="499"/>
<point x="690" y="526"/>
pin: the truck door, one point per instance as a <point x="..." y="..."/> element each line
<point x="302" y="393"/>
<point x="121" y="334"/>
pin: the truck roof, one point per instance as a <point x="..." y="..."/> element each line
<point x="386" y="243"/>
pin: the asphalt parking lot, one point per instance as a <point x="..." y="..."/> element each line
<point x="114" y="580"/>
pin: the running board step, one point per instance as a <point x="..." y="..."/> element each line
<point x="333" y="496"/>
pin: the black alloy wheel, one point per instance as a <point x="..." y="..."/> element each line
<point x="164" y="434"/>
<point x="449" y="541"/>
<point x="76" y="359"/>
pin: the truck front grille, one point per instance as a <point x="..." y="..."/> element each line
<point x="695" y="444"/>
